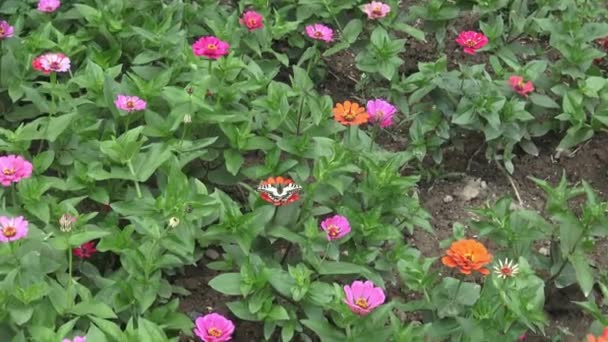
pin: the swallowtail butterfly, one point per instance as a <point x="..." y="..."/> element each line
<point x="279" y="190"/>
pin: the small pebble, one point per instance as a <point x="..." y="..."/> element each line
<point x="212" y="254"/>
<point x="544" y="251"/>
<point x="448" y="199"/>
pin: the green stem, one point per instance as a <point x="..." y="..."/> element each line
<point x="130" y="165"/>
<point x="333" y="16"/>
<point x="53" y="87"/>
<point x="348" y="333"/>
<point x="14" y="195"/>
<point x="70" y="263"/>
<point x="326" y="252"/>
<point x="457" y="290"/>
<point x="311" y="61"/>
<point x="374" y="135"/>
<point x="127" y="122"/>
<point x="209" y="67"/>
<point x="181" y="140"/>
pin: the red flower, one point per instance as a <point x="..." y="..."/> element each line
<point x="603" y="338"/>
<point x="85" y="251"/>
<point x="519" y="86"/>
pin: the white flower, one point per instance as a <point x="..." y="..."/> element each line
<point x="187" y="118"/>
<point x="173" y="222"/>
<point x="506" y="269"/>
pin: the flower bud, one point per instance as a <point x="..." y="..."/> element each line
<point x="173" y="222"/>
<point x="187" y="118"/>
<point x="66" y="222"/>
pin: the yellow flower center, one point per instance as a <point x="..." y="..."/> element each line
<point x="377" y="10"/>
<point x="318" y="34"/>
<point x="130" y="104"/>
<point x="252" y="22"/>
<point x="333" y="230"/>
<point x="362" y="303"/>
<point x="211" y="46"/>
<point x="8" y="171"/>
<point x="470" y="256"/>
<point x="470" y="43"/>
<point x="9" y="231"/>
<point x="1" y="30"/>
<point x="215" y="332"/>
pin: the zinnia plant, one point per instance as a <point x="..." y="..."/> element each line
<point x="130" y="103"/>
<point x="51" y="62"/>
<point x="13" y="169"/>
<point x="210" y="47"/>
<point x="336" y="227"/>
<point x="252" y="20"/>
<point x="6" y="30"/>
<point x="85" y="251"/>
<point x="381" y="112"/>
<point x="363" y="297"/>
<point x="468" y="256"/>
<point x="471" y="41"/>
<point x="48" y="6"/>
<point x="13" y="228"/>
<point x="376" y="10"/>
<point x="519" y="86"/>
<point x="214" y="328"/>
<point x="350" y="113"/>
<point x="75" y="339"/>
<point x="320" y="32"/>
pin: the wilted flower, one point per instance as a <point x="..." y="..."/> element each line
<point x="48" y="5"/>
<point x="85" y="251"/>
<point x="376" y="9"/>
<point x="66" y="222"/>
<point x="6" y="30"/>
<point x="603" y="338"/>
<point x="381" y="112"/>
<point x="506" y="269"/>
<point x="173" y="222"/>
<point x="214" y="328"/>
<point x="350" y="113"/>
<point x="252" y="20"/>
<point x="50" y="62"/>
<point x="320" y="32"/>
<point x="187" y="118"/>
<point x="13" y="169"/>
<point x="603" y="42"/>
<point x="521" y="87"/>
<point x="210" y="47"/>
<point x="471" y="41"/>
<point x="336" y="227"/>
<point x="468" y="256"/>
<point x="12" y="228"/>
<point x="279" y="191"/>
<point x="363" y="297"/>
<point x="129" y="103"/>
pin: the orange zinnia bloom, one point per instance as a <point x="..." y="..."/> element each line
<point x="350" y="113"/>
<point x="468" y="256"/>
<point x="603" y="338"/>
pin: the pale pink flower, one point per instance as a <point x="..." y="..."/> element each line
<point x="214" y="328"/>
<point x="66" y="222"/>
<point x="471" y="41"/>
<point x="6" y="30"/>
<point x="48" y="5"/>
<point x="13" y="169"/>
<point x="381" y="112"/>
<point x="335" y="227"/>
<point x="320" y="32"/>
<point x="252" y="20"/>
<point x="376" y="10"/>
<point x="210" y="47"/>
<point x="129" y="103"/>
<point x="50" y="62"/>
<point x="12" y="228"/>
<point x="363" y="297"/>
<point x="519" y="86"/>
<point x="76" y="339"/>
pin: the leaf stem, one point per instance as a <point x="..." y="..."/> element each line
<point x="130" y="165"/>
<point x="311" y="61"/>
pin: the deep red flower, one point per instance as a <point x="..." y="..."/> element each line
<point x="85" y="251"/>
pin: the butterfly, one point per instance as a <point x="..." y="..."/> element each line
<point x="279" y="191"/>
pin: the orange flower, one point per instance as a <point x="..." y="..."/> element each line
<point x="603" y="338"/>
<point x="350" y="113"/>
<point x="468" y="256"/>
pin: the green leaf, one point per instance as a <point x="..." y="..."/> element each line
<point x="412" y="31"/>
<point x="37" y="100"/>
<point x="79" y="238"/>
<point x="227" y="283"/>
<point x="57" y="125"/>
<point x="278" y="313"/>
<point x="234" y="161"/>
<point x="93" y="308"/>
<point x="324" y="330"/>
<point x="468" y="294"/>
<point x="240" y="309"/>
<point x="584" y="274"/>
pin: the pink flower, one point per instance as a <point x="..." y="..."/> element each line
<point x="363" y="297"/>
<point x="48" y="5"/>
<point x="76" y="339"/>
<point x="336" y="227"/>
<point x="471" y="41"/>
<point x="519" y="86"/>
<point x="376" y="9"/>
<point x="85" y="251"/>
<point x="320" y="32"/>
<point x="13" y="169"/>
<point x="381" y="112"/>
<point x="129" y="103"/>
<point x="210" y="47"/>
<point x="49" y="62"/>
<point x="6" y="30"/>
<point x="214" y="328"/>
<point x="12" y="228"/>
<point x="252" y="20"/>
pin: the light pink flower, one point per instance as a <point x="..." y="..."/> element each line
<point x="335" y="227"/>
<point x="210" y="47"/>
<point x="381" y="112"/>
<point x="519" y="86"/>
<point x="320" y="32"/>
<point x="12" y="228"/>
<point x="214" y="328"/>
<point x="129" y="103"/>
<point x="76" y="339"/>
<point x="49" y="62"/>
<point x="13" y="169"/>
<point x="376" y="10"/>
<point x="6" y="30"/>
<point x="471" y="41"/>
<point x="48" y="5"/>
<point x="252" y="20"/>
<point x="363" y="297"/>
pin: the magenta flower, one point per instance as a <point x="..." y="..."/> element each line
<point x="380" y="112"/>
<point x="49" y="62"/>
<point x="320" y="32"/>
<point x="335" y="227"/>
<point x="13" y="169"/>
<point x="214" y="328"/>
<point x="76" y="339"/>
<point x="129" y="103"/>
<point x="6" y="30"/>
<point x="85" y="251"/>
<point x="12" y="228"/>
<point x="210" y="47"/>
<point x="471" y="41"/>
<point x="363" y="297"/>
<point x="48" y="5"/>
<point x="519" y="86"/>
<point x="252" y="20"/>
<point x="376" y="10"/>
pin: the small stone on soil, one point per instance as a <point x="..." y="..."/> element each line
<point x="448" y="199"/>
<point x="471" y="190"/>
<point x="212" y="254"/>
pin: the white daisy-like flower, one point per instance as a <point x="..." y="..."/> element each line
<point x="506" y="269"/>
